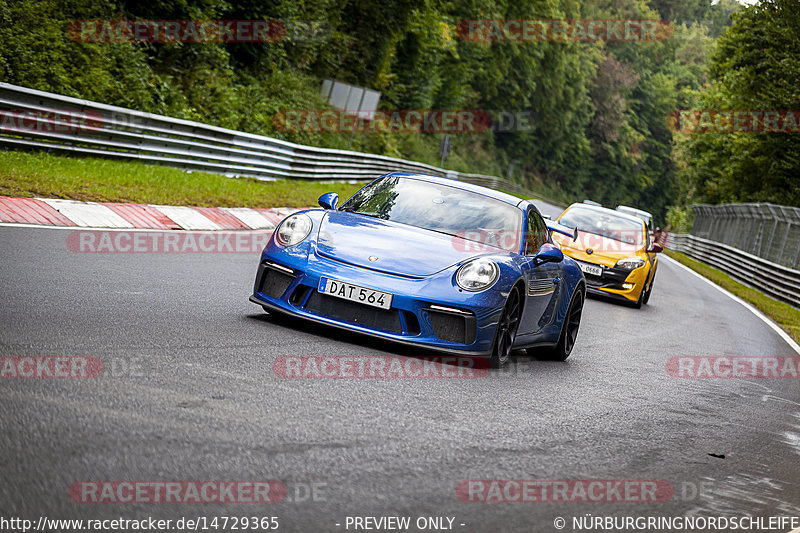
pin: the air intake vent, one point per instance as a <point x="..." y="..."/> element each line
<point x="457" y="326"/>
<point x="355" y="313"/>
<point x="274" y="282"/>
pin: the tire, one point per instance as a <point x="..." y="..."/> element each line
<point x="649" y="290"/>
<point x="506" y="330"/>
<point x="569" y="331"/>
<point x="638" y="303"/>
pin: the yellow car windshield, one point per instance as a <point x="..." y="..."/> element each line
<point x="607" y="225"/>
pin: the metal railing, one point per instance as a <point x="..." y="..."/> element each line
<point x="773" y="279"/>
<point x="769" y="231"/>
<point x="32" y="119"/>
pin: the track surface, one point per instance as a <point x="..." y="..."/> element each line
<point x="204" y="404"/>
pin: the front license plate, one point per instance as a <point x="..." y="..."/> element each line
<point x="591" y="269"/>
<point x="354" y="293"/>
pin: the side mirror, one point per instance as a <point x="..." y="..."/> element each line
<point x="548" y="253"/>
<point x="329" y="200"/>
<point x="655" y="248"/>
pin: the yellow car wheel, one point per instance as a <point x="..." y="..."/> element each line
<point x="649" y="290"/>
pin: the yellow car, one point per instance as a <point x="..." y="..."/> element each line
<point x="613" y="249"/>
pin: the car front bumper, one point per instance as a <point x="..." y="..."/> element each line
<point x="430" y="312"/>
<point x="610" y="282"/>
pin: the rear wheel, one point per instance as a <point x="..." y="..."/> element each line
<point x="569" y="331"/>
<point x="506" y="330"/>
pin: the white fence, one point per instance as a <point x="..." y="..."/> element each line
<point x="769" y="231"/>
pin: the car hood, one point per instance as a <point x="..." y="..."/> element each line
<point x="604" y="251"/>
<point x="400" y="249"/>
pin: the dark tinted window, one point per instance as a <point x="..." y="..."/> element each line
<point x="537" y="233"/>
<point x="441" y="208"/>
<point x="605" y="223"/>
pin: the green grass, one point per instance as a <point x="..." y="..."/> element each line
<point x="784" y="314"/>
<point x="46" y="175"/>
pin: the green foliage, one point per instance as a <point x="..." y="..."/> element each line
<point x="715" y="15"/>
<point x="756" y="66"/>
<point x="679" y="219"/>
<point x="599" y="109"/>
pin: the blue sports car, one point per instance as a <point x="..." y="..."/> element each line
<point x="431" y="262"/>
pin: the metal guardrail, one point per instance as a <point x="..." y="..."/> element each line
<point x="33" y="119"/>
<point x="768" y="231"/>
<point x="776" y="280"/>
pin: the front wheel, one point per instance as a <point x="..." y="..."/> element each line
<point x="638" y="303"/>
<point x="506" y="330"/>
<point x="649" y="290"/>
<point x="569" y="331"/>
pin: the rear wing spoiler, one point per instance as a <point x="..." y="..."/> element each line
<point x="552" y="225"/>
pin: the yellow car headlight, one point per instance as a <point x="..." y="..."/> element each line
<point x="630" y="263"/>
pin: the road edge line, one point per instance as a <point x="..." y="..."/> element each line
<point x="764" y="318"/>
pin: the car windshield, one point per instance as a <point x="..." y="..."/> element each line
<point x="605" y="224"/>
<point x="647" y="217"/>
<point x="433" y="206"/>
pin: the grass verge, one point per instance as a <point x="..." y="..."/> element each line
<point x="784" y="314"/>
<point x="105" y="180"/>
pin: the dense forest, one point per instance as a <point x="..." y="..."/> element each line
<point x="599" y="111"/>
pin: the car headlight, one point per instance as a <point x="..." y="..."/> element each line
<point x="293" y="229"/>
<point x="630" y="263"/>
<point x="477" y="275"/>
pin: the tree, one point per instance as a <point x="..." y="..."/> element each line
<point x="756" y="67"/>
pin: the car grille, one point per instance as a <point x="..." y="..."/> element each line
<point x="593" y="281"/>
<point x="453" y="327"/>
<point x="354" y="313"/>
<point x="412" y="324"/>
<point x="612" y="277"/>
<point x="274" y="282"/>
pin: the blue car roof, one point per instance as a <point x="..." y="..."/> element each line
<point x="486" y="191"/>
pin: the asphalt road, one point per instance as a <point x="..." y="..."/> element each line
<point x="189" y="393"/>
